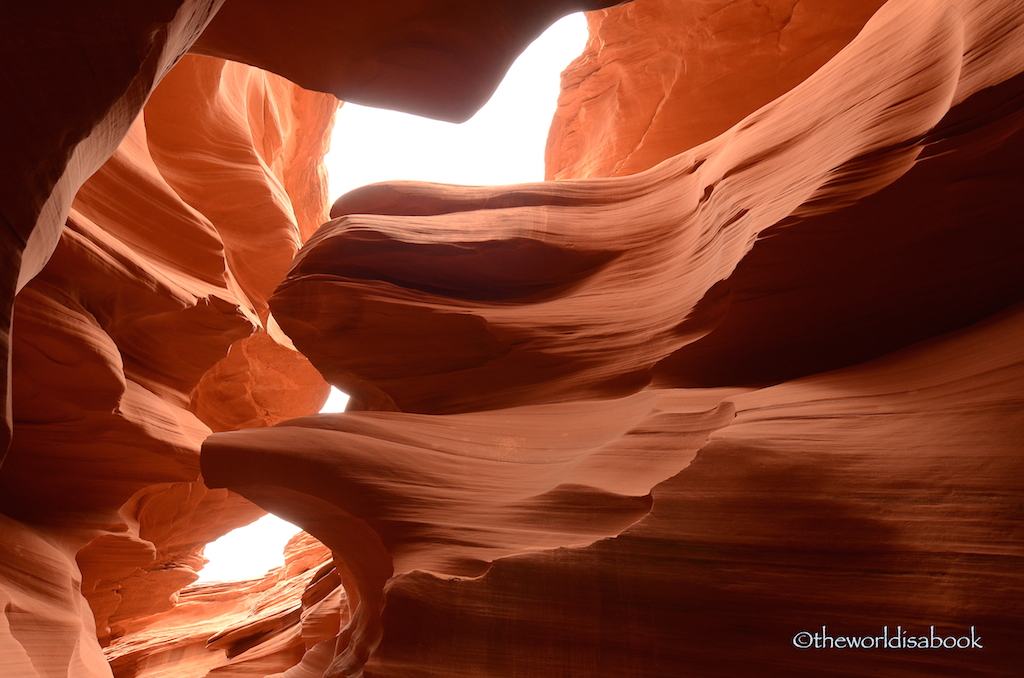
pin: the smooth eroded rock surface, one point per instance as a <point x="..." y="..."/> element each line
<point x="706" y="66"/>
<point x="437" y="58"/>
<point x="750" y="367"/>
<point x="152" y="203"/>
<point x="152" y="289"/>
<point x="808" y="237"/>
<point x="784" y="366"/>
<point x="883" y="494"/>
<point x="252" y="627"/>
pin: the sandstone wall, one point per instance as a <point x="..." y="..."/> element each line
<point x="705" y="66"/>
<point x="750" y="366"/>
<point x="147" y="328"/>
<point x="153" y="201"/>
<point x="658" y="424"/>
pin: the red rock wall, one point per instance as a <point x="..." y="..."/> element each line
<point x="706" y="66"/>
<point x="142" y="246"/>
<point x="246" y="628"/>
<point x="80" y="73"/>
<point x="652" y="422"/>
<point x="891" y="501"/>
<point x="658" y="424"/>
<point x="433" y="57"/>
<point x="160" y="280"/>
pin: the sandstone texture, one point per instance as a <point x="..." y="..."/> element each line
<point x="747" y="365"/>
<point x="798" y="308"/>
<point x="148" y="328"/>
<point x="438" y="58"/>
<point x="246" y="628"/>
<point x="106" y="57"/>
<point x="706" y="66"/>
<point x="430" y="57"/>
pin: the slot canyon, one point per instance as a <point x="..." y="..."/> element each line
<point x="748" y="364"/>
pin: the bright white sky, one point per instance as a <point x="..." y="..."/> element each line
<point x="250" y="551"/>
<point x="502" y="144"/>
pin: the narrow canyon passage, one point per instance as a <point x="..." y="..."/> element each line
<point x="736" y="390"/>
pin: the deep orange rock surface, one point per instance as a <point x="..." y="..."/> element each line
<point x="153" y="307"/>
<point x="750" y="368"/>
<point x="425" y="56"/>
<point x="775" y="284"/>
<point x="105" y="57"/>
<point x="252" y="627"/>
<point x="707" y="266"/>
<point x="848" y="499"/>
<point x="706" y="66"/>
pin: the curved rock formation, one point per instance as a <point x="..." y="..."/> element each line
<point x="881" y="494"/>
<point x="142" y="315"/>
<point x="150" y="291"/>
<point x="437" y="58"/>
<point x="450" y="495"/>
<point x="810" y="286"/>
<point x="706" y="66"/>
<point x="107" y="58"/>
<point x="757" y="372"/>
<point x="497" y="300"/>
<point x="245" y="628"/>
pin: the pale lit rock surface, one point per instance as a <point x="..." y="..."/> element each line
<point x="46" y="626"/>
<point x="246" y="628"/>
<point x="138" y="571"/>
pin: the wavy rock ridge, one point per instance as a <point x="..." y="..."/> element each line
<point x="149" y="292"/>
<point x="750" y="367"/>
<point x="142" y="246"/>
<point x="769" y="272"/>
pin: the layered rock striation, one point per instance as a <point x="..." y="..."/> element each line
<point x="706" y="66"/>
<point x="240" y="628"/>
<point x="425" y="56"/>
<point x="159" y="281"/>
<point x="153" y="202"/>
<point x="749" y="367"/>
<point x="781" y="361"/>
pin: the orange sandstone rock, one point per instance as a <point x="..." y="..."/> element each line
<point x="660" y="77"/>
<point x="652" y="425"/>
<point x="882" y="494"/>
<point x="451" y="494"/>
<point x="779" y="372"/>
<point x="144" y="323"/>
<point x="148" y="292"/>
<point x="46" y="626"/>
<point x="136" y="570"/>
<point x="245" y="628"/>
<point x="105" y="57"/>
<point x="144" y="287"/>
<point x="438" y="58"/>
<point x="597" y="287"/>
